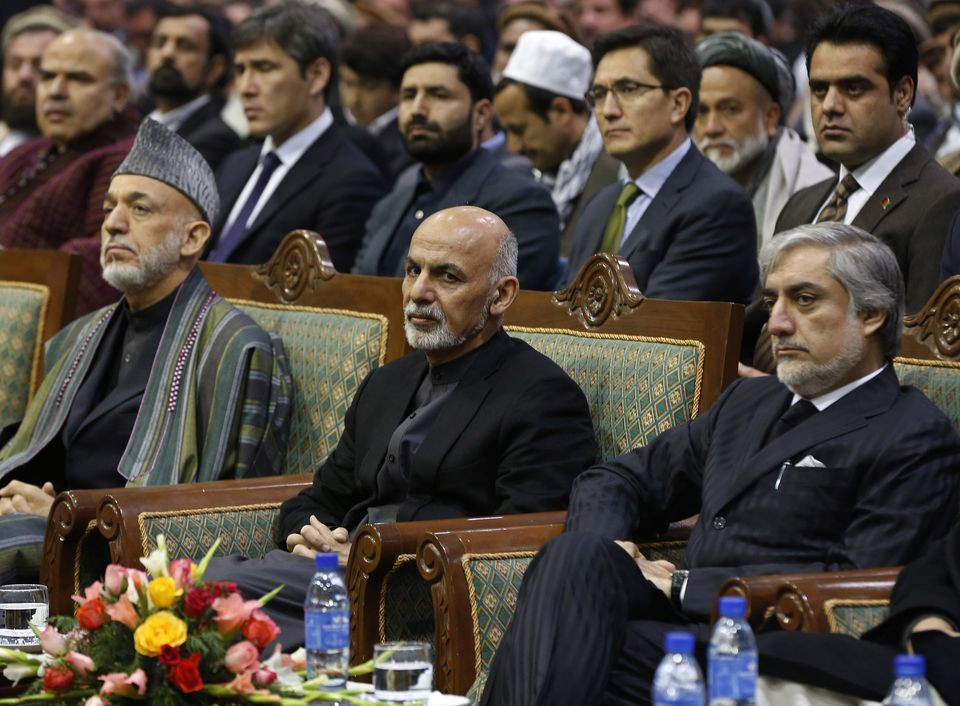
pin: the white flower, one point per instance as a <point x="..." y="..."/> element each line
<point x="15" y="672"/>
<point x="286" y="677"/>
<point x="157" y="563"/>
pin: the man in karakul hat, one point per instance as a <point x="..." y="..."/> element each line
<point x="745" y="92"/>
<point x="169" y="385"/>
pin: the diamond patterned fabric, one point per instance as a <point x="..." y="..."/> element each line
<point x="854" y="619"/>
<point x="475" y="693"/>
<point x="330" y="352"/>
<point x="408" y="609"/>
<point x="636" y="387"/>
<point x="938" y="380"/>
<point x="251" y="531"/>
<point x="496" y="584"/>
<point x="21" y="311"/>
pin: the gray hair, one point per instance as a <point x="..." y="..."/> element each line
<point x="122" y="58"/>
<point x="505" y="261"/>
<point x="861" y="262"/>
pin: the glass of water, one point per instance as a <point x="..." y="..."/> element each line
<point x="402" y="671"/>
<point x="22" y="605"/>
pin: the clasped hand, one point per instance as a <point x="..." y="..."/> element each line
<point x="658" y="572"/>
<point x="17" y="496"/>
<point x="317" y="537"/>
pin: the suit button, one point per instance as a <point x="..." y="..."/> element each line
<point x="719" y="522"/>
<point x="391" y="458"/>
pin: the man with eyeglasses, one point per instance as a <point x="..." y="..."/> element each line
<point x="687" y="230"/>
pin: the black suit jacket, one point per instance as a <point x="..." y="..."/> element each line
<point x="524" y="205"/>
<point x="509" y="439"/>
<point x="331" y="189"/>
<point x="910" y="211"/>
<point x="207" y="132"/>
<point x="696" y="240"/>
<point x="889" y="484"/>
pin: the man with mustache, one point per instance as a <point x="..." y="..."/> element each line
<point x="52" y="188"/>
<point x="169" y="385"/>
<point x="745" y="90"/>
<point x="445" y="105"/>
<point x="307" y="173"/>
<point x="830" y="464"/>
<point x="189" y="63"/>
<point x="474" y="423"/>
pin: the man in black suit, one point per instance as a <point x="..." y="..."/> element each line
<point x="474" y="423"/>
<point x="687" y="230"/>
<point x="445" y="104"/>
<point x="307" y="173"/>
<point x="189" y="63"/>
<point x="829" y="465"/>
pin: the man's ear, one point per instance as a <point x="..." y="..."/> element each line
<point x="559" y="110"/>
<point x="681" y="104"/>
<point x="121" y="95"/>
<point x="503" y="295"/>
<point x="771" y="118"/>
<point x="482" y="110"/>
<point x="903" y="91"/>
<point x="198" y="233"/>
<point x="318" y="76"/>
<point x="872" y="321"/>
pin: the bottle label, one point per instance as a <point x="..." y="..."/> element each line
<point x="733" y="677"/>
<point x="327" y="630"/>
<point x="679" y="700"/>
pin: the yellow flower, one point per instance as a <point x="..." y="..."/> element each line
<point x="161" y="628"/>
<point x="164" y="591"/>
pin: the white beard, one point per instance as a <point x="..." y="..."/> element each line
<point x="809" y="380"/>
<point x="153" y="265"/>
<point x="731" y="156"/>
<point x="440" y="337"/>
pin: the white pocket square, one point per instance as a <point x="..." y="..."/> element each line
<point x="809" y="462"/>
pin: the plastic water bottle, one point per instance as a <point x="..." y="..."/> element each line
<point x="909" y="688"/>
<point x="732" y="656"/>
<point x="678" y="681"/>
<point x="327" y="622"/>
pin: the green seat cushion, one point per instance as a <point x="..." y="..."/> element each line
<point x="937" y="379"/>
<point x="330" y="351"/>
<point x="22" y="308"/>
<point x="852" y="617"/>
<point x="249" y="530"/>
<point x="637" y="387"/>
<point x="406" y="608"/>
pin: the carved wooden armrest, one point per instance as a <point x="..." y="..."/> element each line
<point x="797" y="601"/>
<point x="118" y="517"/>
<point x="71" y="523"/>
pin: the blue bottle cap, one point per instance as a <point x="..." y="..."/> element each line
<point x="680" y="642"/>
<point x="328" y="560"/>
<point x="732" y="606"/>
<point x="909" y="666"/>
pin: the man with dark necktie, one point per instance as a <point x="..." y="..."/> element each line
<point x="829" y="465"/>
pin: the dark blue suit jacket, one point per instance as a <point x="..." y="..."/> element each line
<point x="331" y="190"/>
<point x="696" y="240"/>
<point x="524" y="205"/>
<point x="890" y="481"/>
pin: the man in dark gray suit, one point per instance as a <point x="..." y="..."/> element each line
<point x="829" y="465"/>
<point x="445" y="104"/>
<point x="687" y="230"/>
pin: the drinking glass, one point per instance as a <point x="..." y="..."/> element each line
<point x="402" y="671"/>
<point x="22" y="605"/>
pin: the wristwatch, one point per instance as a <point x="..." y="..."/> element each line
<point x="677" y="583"/>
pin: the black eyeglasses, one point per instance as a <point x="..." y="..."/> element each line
<point x="624" y="91"/>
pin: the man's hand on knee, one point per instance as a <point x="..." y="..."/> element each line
<point x="658" y="572"/>
<point x="317" y="537"/>
<point x="17" y="496"/>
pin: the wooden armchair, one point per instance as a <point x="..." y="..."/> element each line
<point x="852" y="602"/>
<point x="335" y="328"/>
<point x="644" y="365"/>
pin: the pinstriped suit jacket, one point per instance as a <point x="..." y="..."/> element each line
<point x="890" y="484"/>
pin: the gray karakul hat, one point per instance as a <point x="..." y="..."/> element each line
<point x="161" y="154"/>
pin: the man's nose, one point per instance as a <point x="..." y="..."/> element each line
<point x="780" y="322"/>
<point x="711" y="125"/>
<point x="832" y="101"/>
<point x="421" y="289"/>
<point x="115" y="221"/>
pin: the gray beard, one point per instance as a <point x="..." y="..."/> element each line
<point x="440" y="337"/>
<point x="744" y="152"/>
<point x="809" y="380"/>
<point x="154" y="264"/>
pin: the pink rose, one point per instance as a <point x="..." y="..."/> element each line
<point x="124" y="684"/>
<point x="89" y="593"/>
<point x="232" y="612"/>
<point x="95" y="700"/>
<point x="180" y="572"/>
<point x="260" y="629"/>
<point x="242" y="657"/>
<point x="243" y="684"/>
<point x="263" y="677"/>
<point x="52" y="642"/>
<point x="113" y="579"/>
<point x="123" y="612"/>
<point x="81" y="663"/>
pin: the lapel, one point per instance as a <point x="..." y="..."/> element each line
<point x="895" y="188"/>
<point x="654" y="219"/>
<point x="199" y="117"/>
<point x="849" y="413"/>
<point x="115" y="398"/>
<point x="812" y="199"/>
<point x="232" y="184"/>
<point x="602" y="205"/>
<point x="457" y="412"/>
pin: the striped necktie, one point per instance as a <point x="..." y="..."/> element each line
<point x="836" y="208"/>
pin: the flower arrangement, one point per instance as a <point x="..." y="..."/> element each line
<point x="165" y="636"/>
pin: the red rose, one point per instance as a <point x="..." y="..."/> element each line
<point x="169" y="656"/>
<point x="221" y="588"/>
<point x="185" y="675"/>
<point x="196" y="601"/>
<point x="92" y="614"/>
<point x="57" y="678"/>
<point x="260" y="629"/>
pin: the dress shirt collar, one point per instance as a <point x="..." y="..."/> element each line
<point x="652" y="180"/>
<point x="825" y="400"/>
<point x="174" y="119"/>
<point x="293" y="148"/>
<point x="380" y="124"/>
<point x="871" y="174"/>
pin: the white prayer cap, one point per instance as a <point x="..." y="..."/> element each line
<point x="551" y="61"/>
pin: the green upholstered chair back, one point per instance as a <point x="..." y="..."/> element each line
<point x="636" y="386"/>
<point x="331" y="351"/>
<point x="854" y="617"/>
<point x="249" y="530"/>
<point x="22" y="311"/>
<point x="937" y="379"/>
<point x="406" y="610"/>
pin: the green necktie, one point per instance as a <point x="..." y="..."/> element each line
<point x="613" y="231"/>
